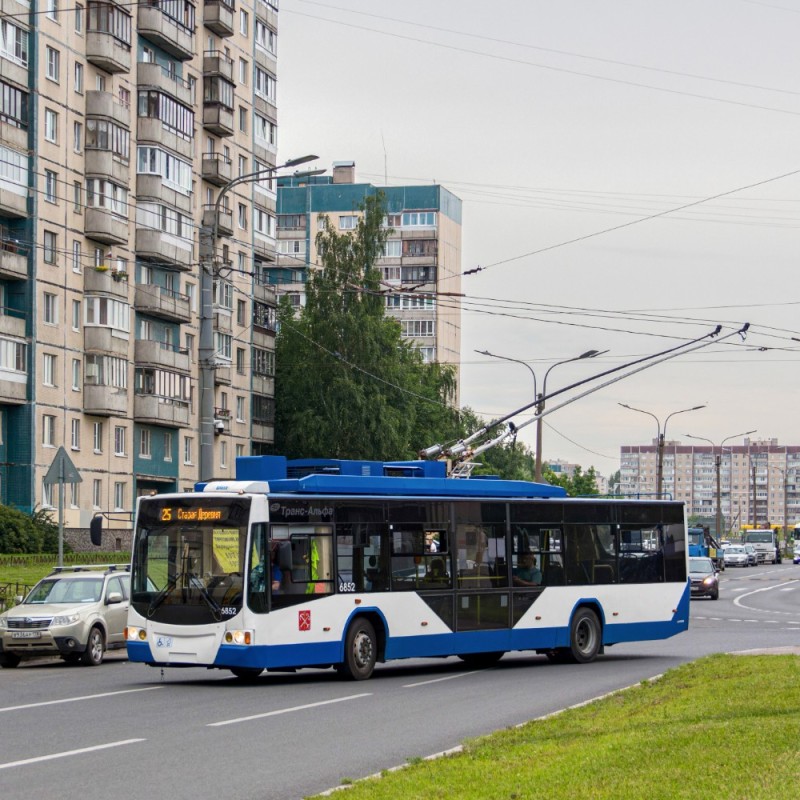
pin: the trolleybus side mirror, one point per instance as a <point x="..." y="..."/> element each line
<point x="96" y="530"/>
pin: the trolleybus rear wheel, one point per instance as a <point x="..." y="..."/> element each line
<point x="585" y="637"/>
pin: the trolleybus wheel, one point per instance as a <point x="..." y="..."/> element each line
<point x="584" y="636"/>
<point x="360" y="651"/>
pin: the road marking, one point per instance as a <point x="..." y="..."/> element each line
<point x="438" y="680"/>
<point x="67" y="753"/>
<point x="287" y="710"/>
<point x="738" y="601"/>
<point x="77" y="699"/>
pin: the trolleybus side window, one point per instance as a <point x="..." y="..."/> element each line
<point x="362" y="557"/>
<point x="415" y="564"/>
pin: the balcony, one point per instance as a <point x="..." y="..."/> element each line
<point x="107" y="282"/>
<point x="154" y="76"/>
<point x="223" y="218"/>
<point x="217" y="64"/>
<point x="149" y="352"/>
<point x="218" y="17"/>
<point x="265" y="293"/>
<point x="156" y="301"/>
<point x="152" y="409"/>
<point x="14" y="196"/>
<point x="105" y="104"/>
<point x="14" y="389"/>
<point x="263" y="431"/>
<point x="152" y="187"/>
<point x="160" y="28"/>
<point x="104" y="401"/>
<point x="223" y="322"/>
<point x="166" y="248"/>
<point x="217" y="169"/>
<point x="13" y="258"/>
<point x="107" y="52"/>
<point x="264" y="384"/>
<point x="103" y="226"/>
<point x="105" y="164"/>
<point x="153" y="131"/>
<point x="218" y="119"/>
<point x="100" y="339"/>
<point x="12" y="322"/>
<point x="222" y="374"/>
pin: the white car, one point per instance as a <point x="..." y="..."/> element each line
<point x="76" y="613"/>
<point x="736" y="556"/>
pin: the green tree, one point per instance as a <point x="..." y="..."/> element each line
<point x="28" y="533"/>
<point x="579" y="484"/>
<point x="347" y="385"/>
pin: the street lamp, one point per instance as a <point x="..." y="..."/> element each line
<point x="661" y="434"/>
<point x="208" y="245"/>
<point x="516" y="361"/>
<point x="540" y="406"/>
<point x="717" y="467"/>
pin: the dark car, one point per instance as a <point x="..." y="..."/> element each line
<point x="704" y="578"/>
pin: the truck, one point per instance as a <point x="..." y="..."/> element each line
<point x="702" y="543"/>
<point x="765" y="542"/>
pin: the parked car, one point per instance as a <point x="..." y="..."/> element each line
<point x="736" y="556"/>
<point x="704" y="578"/>
<point x="76" y="613"/>
<point x="752" y="554"/>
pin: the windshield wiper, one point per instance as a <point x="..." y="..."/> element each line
<point x="193" y="582"/>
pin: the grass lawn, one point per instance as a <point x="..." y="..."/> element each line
<point x="725" y="727"/>
<point x="30" y="573"/>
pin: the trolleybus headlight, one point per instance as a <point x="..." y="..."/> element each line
<point x="238" y="637"/>
<point x="133" y="634"/>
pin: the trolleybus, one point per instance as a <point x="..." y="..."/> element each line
<point x="326" y="563"/>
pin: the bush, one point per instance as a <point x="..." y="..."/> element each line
<point x="27" y="533"/>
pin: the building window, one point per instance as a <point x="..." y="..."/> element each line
<point x="75" y="434"/>
<point x="223" y="454"/>
<point x="76" y="257"/>
<point x="47" y="501"/>
<point x="119" y="496"/>
<point x="74" y="495"/>
<point x="167" y="446"/>
<point x="187" y="449"/>
<point x="76" y="315"/>
<point x="50" y="246"/>
<point x="50" y="186"/>
<point x="240" y="360"/>
<point x="78" y="78"/>
<point x="240" y="408"/>
<point x="243" y="216"/>
<point x="48" y="430"/>
<point x="97" y="437"/>
<point x="51" y="9"/>
<point x="78" y="18"/>
<point x="50" y="309"/>
<point x="119" y="440"/>
<point x="76" y="374"/>
<point x="145" y="450"/>
<point x="244" y="22"/>
<point x="49" y="369"/>
<point x="242" y="119"/>
<point x="347" y="222"/>
<point x="53" y="63"/>
<point x="77" y="136"/>
<point x="97" y="493"/>
<point x="51" y="125"/>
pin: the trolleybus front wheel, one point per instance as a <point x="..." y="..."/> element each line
<point x="246" y="673"/>
<point x="360" y="651"/>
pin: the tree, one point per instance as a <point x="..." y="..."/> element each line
<point x="347" y="385"/>
<point x="27" y="533"/>
<point x="577" y="485"/>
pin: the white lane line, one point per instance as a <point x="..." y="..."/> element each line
<point x="68" y="753"/>
<point x="77" y="699"/>
<point x="439" y="680"/>
<point x="287" y="710"/>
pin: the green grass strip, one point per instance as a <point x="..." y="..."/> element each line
<point x="724" y="726"/>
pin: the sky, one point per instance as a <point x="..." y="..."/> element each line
<point x="630" y="179"/>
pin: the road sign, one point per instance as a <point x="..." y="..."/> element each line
<point x="62" y="470"/>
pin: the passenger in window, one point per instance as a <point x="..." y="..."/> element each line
<point x="431" y="543"/>
<point x="277" y="572"/>
<point x="526" y="573"/>
<point x="437" y="572"/>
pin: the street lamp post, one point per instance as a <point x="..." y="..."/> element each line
<point x="516" y="361"/>
<point x="717" y="467"/>
<point x="540" y="407"/>
<point x="208" y="244"/>
<point x="661" y="435"/>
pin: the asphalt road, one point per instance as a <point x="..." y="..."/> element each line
<point x="129" y="731"/>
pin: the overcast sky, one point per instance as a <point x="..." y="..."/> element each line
<point x="555" y="121"/>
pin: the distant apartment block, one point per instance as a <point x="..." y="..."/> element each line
<point x="421" y="263"/>
<point x="120" y="125"/>
<point x="759" y="479"/>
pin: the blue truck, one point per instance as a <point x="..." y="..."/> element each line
<point x="702" y="543"/>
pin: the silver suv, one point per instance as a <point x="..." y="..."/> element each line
<point x="75" y="612"/>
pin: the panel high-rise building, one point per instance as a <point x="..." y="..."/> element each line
<point x="120" y="125"/>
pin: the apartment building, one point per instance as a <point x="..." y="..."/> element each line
<point x="759" y="479"/>
<point x="120" y="127"/>
<point x="421" y="263"/>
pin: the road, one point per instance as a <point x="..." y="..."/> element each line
<point x="128" y="731"/>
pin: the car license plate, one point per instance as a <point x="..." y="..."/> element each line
<point x="163" y="641"/>
<point x="26" y="635"/>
